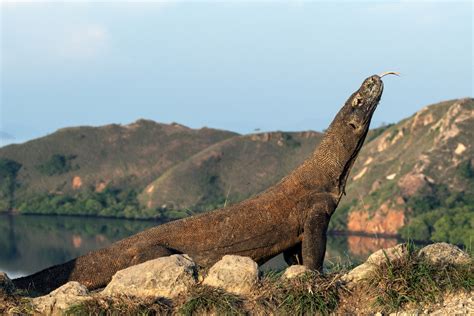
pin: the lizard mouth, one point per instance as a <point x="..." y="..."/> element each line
<point x="375" y="88"/>
<point x="383" y="74"/>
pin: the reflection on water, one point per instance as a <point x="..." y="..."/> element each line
<point x="31" y="243"/>
<point x="362" y="245"/>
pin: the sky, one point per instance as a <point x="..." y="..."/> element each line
<point x="234" y="65"/>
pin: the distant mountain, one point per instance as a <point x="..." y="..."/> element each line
<point x="5" y="136"/>
<point x="415" y="177"/>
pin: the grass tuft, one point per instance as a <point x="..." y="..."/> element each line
<point x="15" y="304"/>
<point x="309" y="294"/>
<point x="122" y="305"/>
<point x="414" y="280"/>
<point x="205" y="300"/>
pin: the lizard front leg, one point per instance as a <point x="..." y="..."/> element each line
<point x="314" y="237"/>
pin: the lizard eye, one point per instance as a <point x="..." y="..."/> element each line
<point x="357" y="101"/>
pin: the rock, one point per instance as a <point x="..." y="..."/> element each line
<point x="59" y="300"/>
<point x="386" y="219"/>
<point x="358" y="274"/>
<point x="6" y="285"/>
<point x="392" y="254"/>
<point x="364" y="270"/>
<point x="443" y="253"/>
<point x="234" y="274"/>
<point x="163" y="277"/>
<point x="461" y="303"/>
<point x="412" y="183"/>
<point x="295" y="271"/>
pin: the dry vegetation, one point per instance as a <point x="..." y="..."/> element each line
<point x="15" y="304"/>
<point x="411" y="283"/>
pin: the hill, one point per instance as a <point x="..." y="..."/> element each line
<point x="416" y="178"/>
<point x="230" y="171"/>
<point x="86" y="160"/>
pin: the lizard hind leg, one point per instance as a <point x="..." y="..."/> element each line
<point x="142" y="254"/>
<point x="293" y="255"/>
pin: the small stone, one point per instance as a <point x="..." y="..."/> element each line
<point x="200" y="278"/>
<point x="294" y="271"/>
<point x="379" y="257"/>
<point x="234" y="274"/>
<point x="443" y="253"/>
<point x="6" y="285"/>
<point x="59" y="300"/>
<point x="391" y="254"/>
<point x="163" y="277"/>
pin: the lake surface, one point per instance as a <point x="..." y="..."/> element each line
<point x="31" y="243"/>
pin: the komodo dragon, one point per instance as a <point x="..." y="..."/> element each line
<point x="290" y="217"/>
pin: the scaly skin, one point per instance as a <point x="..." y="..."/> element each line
<point x="291" y="217"/>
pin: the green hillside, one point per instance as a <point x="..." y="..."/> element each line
<point x="109" y="163"/>
<point x="230" y="171"/>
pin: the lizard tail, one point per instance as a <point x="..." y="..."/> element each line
<point x="93" y="270"/>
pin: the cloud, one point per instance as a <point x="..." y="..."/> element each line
<point x="36" y="33"/>
<point x="83" y="42"/>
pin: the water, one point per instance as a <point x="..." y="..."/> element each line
<point x="31" y="243"/>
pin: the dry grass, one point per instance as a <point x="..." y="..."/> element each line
<point x="205" y="300"/>
<point x="15" y="304"/>
<point x="414" y="281"/>
<point x="122" y="305"/>
<point x="308" y="294"/>
<point x="408" y="283"/>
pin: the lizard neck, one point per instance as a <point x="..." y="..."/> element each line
<point x="328" y="168"/>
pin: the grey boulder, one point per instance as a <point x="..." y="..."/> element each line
<point x="233" y="274"/>
<point x="443" y="253"/>
<point x="163" y="277"/>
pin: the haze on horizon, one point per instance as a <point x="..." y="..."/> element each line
<point x="234" y="65"/>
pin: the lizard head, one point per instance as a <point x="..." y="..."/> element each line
<point x="361" y="105"/>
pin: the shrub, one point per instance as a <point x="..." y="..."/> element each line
<point x="57" y="164"/>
